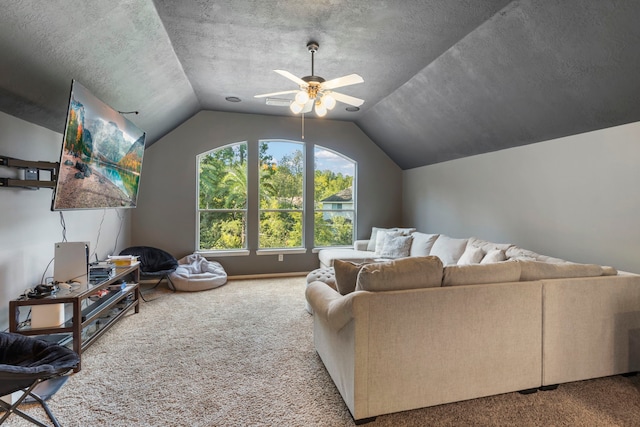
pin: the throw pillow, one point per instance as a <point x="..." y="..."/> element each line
<point x="471" y="255"/>
<point x="346" y="273"/>
<point x="422" y="243"/>
<point x="395" y="246"/>
<point x="449" y="250"/>
<point x="404" y="273"/>
<point x="371" y="246"/>
<point x="495" y="255"/>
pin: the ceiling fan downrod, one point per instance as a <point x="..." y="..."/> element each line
<point x="313" y="48"/>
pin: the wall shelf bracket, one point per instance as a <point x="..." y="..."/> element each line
<point x="31" y="174"/>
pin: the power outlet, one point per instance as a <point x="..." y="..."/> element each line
<point x="280" y="257"/>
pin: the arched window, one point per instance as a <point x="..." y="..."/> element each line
<point x="229" y="205"/>
<point x="222" y="198"/>
<point x="334" y="198"/>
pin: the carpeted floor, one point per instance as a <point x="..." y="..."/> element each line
<point x="242" y="355"/>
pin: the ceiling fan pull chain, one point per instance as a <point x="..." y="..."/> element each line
<point x="302" y="125"/>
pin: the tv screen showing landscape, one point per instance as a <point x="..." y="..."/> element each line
<point x="101" y="158"/>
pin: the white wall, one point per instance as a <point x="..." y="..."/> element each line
<point x="576" y="198"/>
<point x="166" y="216"/>
<point x="28" y="227"/>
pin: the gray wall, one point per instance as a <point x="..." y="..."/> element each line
<point x="28" y="228"/>
<point x="575" y="198"/>
<point x="166" y="213"/>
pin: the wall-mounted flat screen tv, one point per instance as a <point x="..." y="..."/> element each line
<point x="101" y="157"/>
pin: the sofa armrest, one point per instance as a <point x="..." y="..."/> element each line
<point x="333" y="308"/>
<point x="361" y="245"/>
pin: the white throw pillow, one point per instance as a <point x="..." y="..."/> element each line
<point x="394" y="245"/>
<point x="422" y="243"/>
<point x="448" y="249"/>
<point x="371" y="246"/>
<point x="471" y="255"/>
<point x="495" y="255"/>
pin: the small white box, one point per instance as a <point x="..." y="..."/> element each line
<point x="47" y="315"/>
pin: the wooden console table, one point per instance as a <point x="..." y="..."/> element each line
<point x="91" y="317"/>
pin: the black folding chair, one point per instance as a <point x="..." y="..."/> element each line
<point x="154" y="263"/>
<point x="26" y="363"/>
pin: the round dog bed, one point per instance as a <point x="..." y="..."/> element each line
<point x="196" y="273"/>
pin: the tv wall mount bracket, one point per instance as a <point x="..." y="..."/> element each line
<point x="29" y="173"/>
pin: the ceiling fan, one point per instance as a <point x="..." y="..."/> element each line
<point x="315" y="92"/>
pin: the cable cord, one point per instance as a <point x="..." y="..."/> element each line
<point x="64" y="227"/>
<point x="95" y="249"/>
<point x="45" y="270"/>
<point x="115" y="245"/>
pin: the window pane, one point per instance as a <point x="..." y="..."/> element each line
<point x="333" y="178"/>
<point x="222" y="230"/>
<point x="280" y="229"/>
<point x="223" y="178"/>
<point x="333" y="228"/>
<point x="334" y="201"/>
<point x="281" y="175"/>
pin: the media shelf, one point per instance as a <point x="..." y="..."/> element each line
<point x="90" y="317"/>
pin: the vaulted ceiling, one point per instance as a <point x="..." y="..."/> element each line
<point x="443" y="79"/>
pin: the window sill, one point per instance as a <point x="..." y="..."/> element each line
<point x="316" y="250"/>
<point x="223" y="253"/>
<point x="282" y="251"/>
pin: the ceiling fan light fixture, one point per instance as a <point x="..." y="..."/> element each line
<point x="328" y="101"/>
<point x="321" y="110"/>
<point x="302" y="97"/>
<point x="296" y="108"/>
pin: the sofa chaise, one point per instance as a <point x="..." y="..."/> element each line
<point x="416" y="331"/>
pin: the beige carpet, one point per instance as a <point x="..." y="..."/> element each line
<point x="242" y="355"/>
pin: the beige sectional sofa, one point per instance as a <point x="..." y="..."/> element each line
<point x="418" y="332"/>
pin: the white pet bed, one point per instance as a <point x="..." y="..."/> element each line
<point x="196" y="273"/>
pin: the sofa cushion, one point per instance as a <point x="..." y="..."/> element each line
<point x="422" y="243"/>
<point x="346" y="273"/>
<point x="371" y="245"/>
<point x="404" y="273"/>
<point x="327" y="256"/>
<point x="471" y="255"/>
<point x="487" y="246"/>
<point x="448" y="249"/>
<point x="381" y="238"/>
<point x="517" y="253"/>
<point x="476" y="274"/>
<point x="394" y="245"/>
<point x="537" y="270"/>
<point x="494" y="255"/>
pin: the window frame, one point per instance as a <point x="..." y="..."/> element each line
<point x="302" y="211"/>
<point x="354" y="186"/>
<point x="226" y="251"/>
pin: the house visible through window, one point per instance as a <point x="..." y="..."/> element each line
<point x="334" y="200"/>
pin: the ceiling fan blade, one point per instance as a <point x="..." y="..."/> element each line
<point x="351" y="100"/>
<point x="308" y="106"/>
<point x="291" y="77"/>
<point x="351" y="79"/>
<point x="264" y="95"/>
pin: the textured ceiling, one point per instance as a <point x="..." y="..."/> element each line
<point x="443" y="79"/>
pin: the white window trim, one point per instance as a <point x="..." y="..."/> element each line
<point x="279" y="251"/>
<point x="225" y="252"/>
